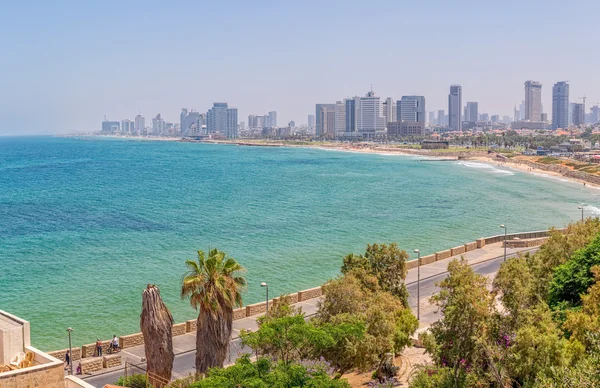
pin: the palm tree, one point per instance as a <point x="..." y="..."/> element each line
<point x="214" y="286"/>
<point x="156" y="323"/>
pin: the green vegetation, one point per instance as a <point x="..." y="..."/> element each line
<point x="133" y="381"/>
<point x="543" y="332"/>
<point x="214" y="286"/>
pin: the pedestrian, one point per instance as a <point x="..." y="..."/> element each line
<point x="67" y="360"/>
<point x="99" y="347"/>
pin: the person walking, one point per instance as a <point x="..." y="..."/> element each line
<point x="99" y="347"/>
<point x="67" y="360"/>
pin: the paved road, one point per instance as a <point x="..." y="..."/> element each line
<point x="485" y="261"/>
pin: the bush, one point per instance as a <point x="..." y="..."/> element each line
<point x="133" y="381"/>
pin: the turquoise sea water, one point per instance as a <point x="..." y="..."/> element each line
<point x="86" y="224"/>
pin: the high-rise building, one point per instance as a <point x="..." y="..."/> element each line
<point x="127" y="126"/>
<point x="578" y="114"/>
<point x="533" y="101"/>
<point x="389" y="110"/>
<point x="411" y="109"/>
<point x="273" y="119"/>
<point x="232" y="123"/>
<point x="321" y="115"/>
<point x="594" y="114"/>
<point x="140" y="125"/>
<point x="506" y="119"/>
<point x="292" y="124"/>
<point x="472" y="112"/>
<point x="454" y="108"/>
<point x="311" y="121"/>
<point x="484" y="117"/>
<point x="188" y="122"/>
<point x="441" y="118"/>
<point x="200" y="124"/>
<point x="159" y="126"/>
<point x="560" y="105"/>
<point x="544" y="117"/>
<point x="351" y="111"/>
<point x="340" y="118"/>
<point x="369" y="119"/>
<point x="495" y="118"/>
<point x="252" y="121"/>
<point x="431" y="118"/>
<point x="405" y="128"/>
<point x="217" y="119"/>
<point x="111" y="126"/>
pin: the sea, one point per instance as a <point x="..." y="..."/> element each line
<point x="87" y="223"/>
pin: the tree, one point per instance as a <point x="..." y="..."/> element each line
<point x="574" y="277"/>
<point x="580" y="323"/>
<point x="514" y="283"/>
<point x="156" y="323"/>
<point x="387" y="263"/>
<point x="467" y="308"/>
<point x="214" y="286"/>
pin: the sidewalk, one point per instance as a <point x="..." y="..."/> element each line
<point x="185" y="345"/>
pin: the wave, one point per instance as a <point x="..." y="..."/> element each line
<point x="487" y="167"/>
<point x="592" y="209"/>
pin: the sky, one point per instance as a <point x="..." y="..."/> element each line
<point x="64" y="65"/>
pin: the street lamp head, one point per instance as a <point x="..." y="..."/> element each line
<point x="69" y="329"/>
<point x="502" y="226"/>
<point x="263" y="284"/>
<point x="417" y="251"/>
<point x="579" y="207"/>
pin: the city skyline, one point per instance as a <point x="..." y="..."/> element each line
<point x="64" y="62"/>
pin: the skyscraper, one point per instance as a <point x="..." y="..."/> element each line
<point x="273" y="119"/>
<point x="188" y="122"/>
<point x="441" y="117"/>
<point x="216" y="118"/>
<point x="471" y="112"/>
<point x="127" y="126"/>
<point x="454" y="108"/>
<point x="140" y="125"/>
<point x="351" y="113"/>
<point x="311" y="121"/>
<point x="411" y="109"/>
<point x="321" y="115"/>
<point x="560" y="105"/>
<point x="533" y="101"/>
<point x="431" y="119"/>
<point x="340" y="118"/>
<point x="594" y="114"/>
<point x="578" y="114"/>
<point x="231" y="130"/>
<point x="159" y="126"/>
<point x="370" y="118"/>
<point x="389" y="111"/>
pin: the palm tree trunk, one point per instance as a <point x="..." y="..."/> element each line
<point x="156" y="323"/>
<point x="213" y="333"/>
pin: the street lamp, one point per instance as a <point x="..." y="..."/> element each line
<point x="70" y="351"/>
<point x="504" y="227"/>
<point x="581" y="208"/>
<point x="263" y="284"/>
<point x="418" y="284"/>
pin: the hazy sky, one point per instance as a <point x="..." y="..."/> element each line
<point x="65" y="64"/>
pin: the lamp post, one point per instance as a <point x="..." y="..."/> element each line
<point x="70" y="351"/>
<point x="581" y="208"/>
<point x="418" y="284"/>
<point x="263" y="284"/>
<point x="504" y="227"/>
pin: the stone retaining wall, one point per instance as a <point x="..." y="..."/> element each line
<point x="60" y="354"/>
<point x="428" y="259"/>
<point x="89" y="350"/>
<point x="480" y="243"/>
<point x="457" y="250"/>
<point x="470" y="246"/>
<point x="190" y="326"/>
<point x="111" y="360"/>
<point x="179" y="329"/>
<point x="256" y="308"/>
<point x="310" y="294"/>
<point x="526" y="243"/>
<point x="91" y="365"/>
<point x="442" y="255"/>
<point x="239" y="313"/>
<point x="131" y="340"/>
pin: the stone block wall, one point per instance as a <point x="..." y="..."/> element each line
<point x="179" y="329"/>
<point x="131" y="340"/>
<point x="256" y="308"/>
<point x="111" y="360"/>
<point x="428" y="259"/>
<point x="190" y="326"/>
<point x="470" y="246"/>
<point x="60" y="354"/>
<point x="51" y="376"/>
<point x="442" y="255"/>
<point x="457" y="250"/>
<point x="239" y="313"/>
<point x="93" y="364"/>
<point x="310" y="294"/>
<point x="89" y="350"/>
<point x="480" y="243"/>
<point x="534" y="242"/>
<point x="411" y="264"/>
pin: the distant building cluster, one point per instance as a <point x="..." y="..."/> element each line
<point x="371" y="117"/>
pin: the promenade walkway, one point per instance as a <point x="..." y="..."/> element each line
<point x="485" y="260"/>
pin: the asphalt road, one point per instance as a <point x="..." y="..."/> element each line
<point x="184" y="362"/>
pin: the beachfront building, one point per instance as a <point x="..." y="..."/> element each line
<point x="369" y="118"/>
<point x="140" y="125"/>
<point x="222" y="120"/>
<point x="455" y="108"/>
<point x="411" y="109"/>
<point x="188" y="122"/>
<point x="560" y="105"/>
<point x="405" y="129"/>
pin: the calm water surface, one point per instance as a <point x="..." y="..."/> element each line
<point x="86" y="224"/>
